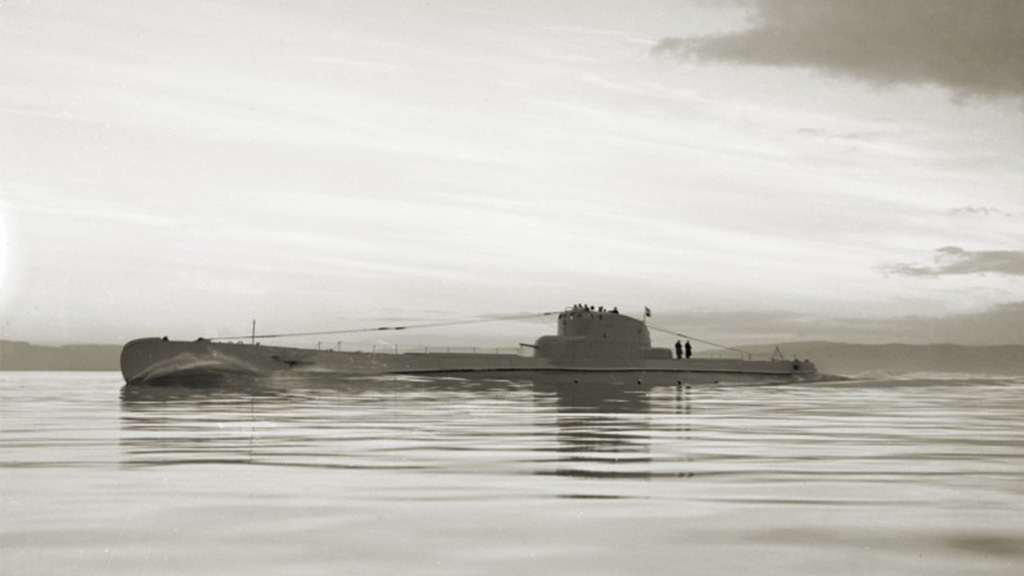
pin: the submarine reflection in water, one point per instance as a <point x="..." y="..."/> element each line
<point x="395" y="423"/>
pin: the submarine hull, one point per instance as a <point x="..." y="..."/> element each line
<point x="157" y="360"/>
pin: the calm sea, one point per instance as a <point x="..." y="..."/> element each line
<point x="920" y="475"/>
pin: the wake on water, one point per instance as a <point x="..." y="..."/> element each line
<point x="930" y="378"/>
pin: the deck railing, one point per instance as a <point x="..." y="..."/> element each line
<point x="385" y="349"/>
<point x="405" y="349"/>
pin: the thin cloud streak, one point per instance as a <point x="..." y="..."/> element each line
<point x="999" y="324"/>
<point x="953" y="260"/>
<point x="973" y="47"/>
<point x="981" y="211"/>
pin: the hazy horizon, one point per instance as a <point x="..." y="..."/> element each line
<point x="1000" y="326"/>
<point x="751" y="171"/>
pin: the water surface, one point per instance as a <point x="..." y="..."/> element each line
<point x="920" y="475"/>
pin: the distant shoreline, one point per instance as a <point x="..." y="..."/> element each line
<point x="830" y="357"/>
<point x="851" y="359"/>
<point x="22" y="356"/>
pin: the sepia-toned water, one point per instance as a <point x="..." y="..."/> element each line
<point x="392" y="476"/>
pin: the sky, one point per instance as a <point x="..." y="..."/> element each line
<point x="751" y="171"/>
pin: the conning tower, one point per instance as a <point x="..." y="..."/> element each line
<point x="598" y="337"/>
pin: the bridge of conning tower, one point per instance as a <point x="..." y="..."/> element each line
<point x="599" y="338"/>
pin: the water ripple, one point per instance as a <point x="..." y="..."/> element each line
<point x="458" y="469"/>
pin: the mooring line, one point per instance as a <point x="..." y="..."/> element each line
<point x="681" y="335"/>
<point x="386" y="328"/>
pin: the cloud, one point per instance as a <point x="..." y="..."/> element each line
<point x="953" y="260"/>
<point x="974" y="47"/>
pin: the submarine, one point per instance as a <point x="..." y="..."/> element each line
<point x="591" y="345"/>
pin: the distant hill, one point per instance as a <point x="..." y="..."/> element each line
<point x="23" y="356"/>
<point x="850" y="359"/>
<point x="830" y="357"/>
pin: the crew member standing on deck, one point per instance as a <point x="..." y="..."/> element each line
<point x="689" y="349"/>
<point x="679" y="350"/>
